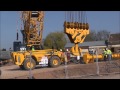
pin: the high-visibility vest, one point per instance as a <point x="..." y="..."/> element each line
<point x="33" y="49"/>
<point x="109" y="52"/>
<point x="104" y="53"/>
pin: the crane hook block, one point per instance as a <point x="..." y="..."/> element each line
<point x="76" y="31"/>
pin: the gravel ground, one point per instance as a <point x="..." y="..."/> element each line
<point x="106" y="70"/>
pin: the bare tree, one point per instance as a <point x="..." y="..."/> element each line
<point x="98" y="35"/>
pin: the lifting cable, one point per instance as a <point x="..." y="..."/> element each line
<point x="70" y="16"/>
<point x="21" y="19"/>
<point x="65" y="15"/>
<point x="69" y="12"/>
<point x="77" y="19"/>
<point x="73" y="16"/>
<point x="85" y="17"/>
<point x="79" y="15"/>
<point x="81" y="18"/>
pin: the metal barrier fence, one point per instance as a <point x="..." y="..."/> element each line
<point x="71" y="70"/>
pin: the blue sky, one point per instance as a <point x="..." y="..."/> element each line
<point x="53" y="21"/>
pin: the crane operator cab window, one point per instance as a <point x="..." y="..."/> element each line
<point x="22" y="48"/>
<point x="34" y="14"/>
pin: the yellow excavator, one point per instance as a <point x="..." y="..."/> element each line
<point x="75" y="26"/>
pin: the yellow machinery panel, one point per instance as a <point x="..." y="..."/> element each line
<point x="91" y="58"/>
<point x="76" y="33"/>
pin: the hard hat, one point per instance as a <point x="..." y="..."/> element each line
<point x="66" y="49"/>
<point x="106" y="48"/>
<point x="60" y="49"/>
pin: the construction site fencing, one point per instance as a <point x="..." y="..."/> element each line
<point x="73" y="69"/>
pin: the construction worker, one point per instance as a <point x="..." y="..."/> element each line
<point x="33" y="48"/>
<point x="104" y="54"/>
<point x="109" y="54"/>
<point x="62" y="53"/>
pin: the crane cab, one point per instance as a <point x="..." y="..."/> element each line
<point x="34" y="14"/>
